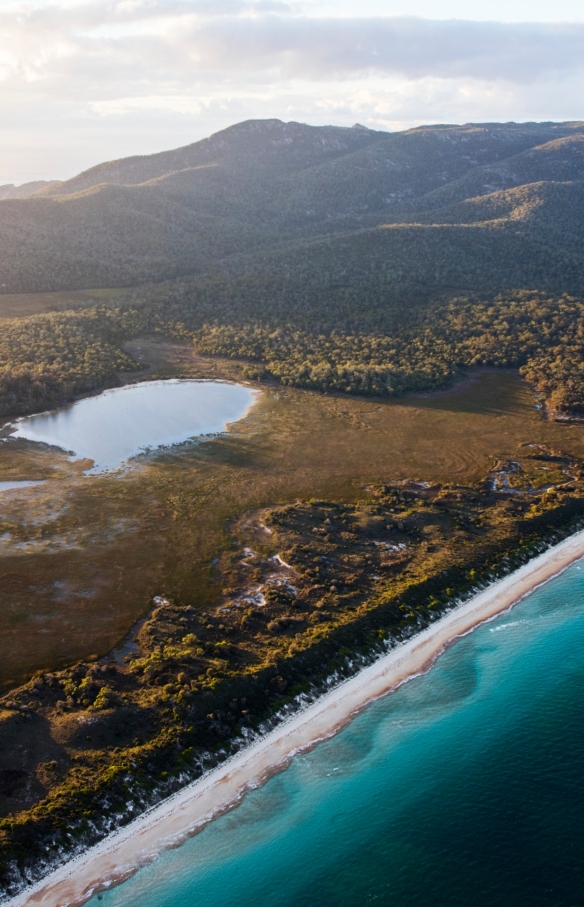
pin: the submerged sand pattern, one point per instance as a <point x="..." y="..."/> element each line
<point x="189" y="810"/>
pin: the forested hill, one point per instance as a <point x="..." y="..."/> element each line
<point x="331" y="258"/>
<point x="266" y="184"/>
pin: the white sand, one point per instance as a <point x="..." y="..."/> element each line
<point x="187" y="811"/>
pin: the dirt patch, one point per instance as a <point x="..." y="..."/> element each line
<point x="163" y="359"/>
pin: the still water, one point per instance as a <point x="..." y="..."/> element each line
<point x="123" y="422"/>
<point x="12" y="486"/>
<point x="464" y="787"/>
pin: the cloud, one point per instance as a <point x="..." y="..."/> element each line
<point x="180" y="39"/>
<point x="414" y="48"/>
<point x="110" y="77"/>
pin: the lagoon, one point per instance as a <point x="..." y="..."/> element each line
<point x="120" y="423"/>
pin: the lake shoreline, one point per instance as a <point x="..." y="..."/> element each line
<point x="189" y="810"/>
<point x="164" y="413"/>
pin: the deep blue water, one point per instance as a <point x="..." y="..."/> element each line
<point x="465" y="787"/>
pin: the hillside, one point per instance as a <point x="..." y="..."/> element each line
<point x="262" y="184"/>
<point x="9" y="190"/>
<point x="336" y="259"/>
<point x="154" y="617"/>
<point x="559" y="160"/>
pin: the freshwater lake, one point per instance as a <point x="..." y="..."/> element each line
<point x="125" y="421"/>
<point x="14" y="486"/>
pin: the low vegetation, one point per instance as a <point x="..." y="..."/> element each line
<point x="347" y="262"/>
<point x="47" y="360"/>
<point x="306" y="591"/>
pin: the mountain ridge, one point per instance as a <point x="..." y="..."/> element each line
<point x="258" y="185"/>
<point x="341" y="260"/>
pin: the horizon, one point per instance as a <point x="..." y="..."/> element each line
<point x="292" y="398"/>
<point x="313" y="125"/>
<point x="87" y="81"/>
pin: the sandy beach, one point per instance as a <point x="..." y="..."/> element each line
<point x="189" y="810"/>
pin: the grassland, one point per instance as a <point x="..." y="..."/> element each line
<point x="325" y="482"/>
<point x="82" y="557"/>
<point x="21" y="305"/>
<point x="339" y="515"/>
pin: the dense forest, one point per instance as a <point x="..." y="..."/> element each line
<point x="341" y="260"/>
<point x="51" y="359"/>
<point x="268" y="185"/>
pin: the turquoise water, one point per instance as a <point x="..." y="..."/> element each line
<point x="466" y="787"/>
<point x="120" y="423"/>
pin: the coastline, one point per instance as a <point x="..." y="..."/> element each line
<point x="169" y="823"/>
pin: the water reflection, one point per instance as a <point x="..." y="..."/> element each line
<point x="120" y="423"/>
<point x="9" y="486"/>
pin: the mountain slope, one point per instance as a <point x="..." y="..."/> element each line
<point x="262" y="184"/>
<point x="380" y="277"/>
<point x="559" y="160"/>
<point x="112" y="236"/>
<point x="255" y="144"/>
<point x="329" y="258"/>
<point x="9" y="190"/>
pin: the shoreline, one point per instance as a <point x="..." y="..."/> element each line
<point x="189" y="810"/>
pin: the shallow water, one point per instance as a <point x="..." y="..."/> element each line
<point x="10" y="486"/>
<point x="463" y="787"/>
<point x="120" y="423"/>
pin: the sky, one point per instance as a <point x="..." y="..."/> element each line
<point x="83" y="81"/>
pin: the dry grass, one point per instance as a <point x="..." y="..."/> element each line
<point x="82" y="557"/>
<point x="19" y="305"/>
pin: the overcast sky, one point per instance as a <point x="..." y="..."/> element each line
<point x="82" y="81"/>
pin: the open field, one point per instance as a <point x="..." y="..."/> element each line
<point x="19" y="305"/>
<point x="315" y="529"/>
<point x="81" y="558"/>
<point x="154" y="617"/>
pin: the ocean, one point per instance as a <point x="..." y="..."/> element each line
<point x="465" y="787"/>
